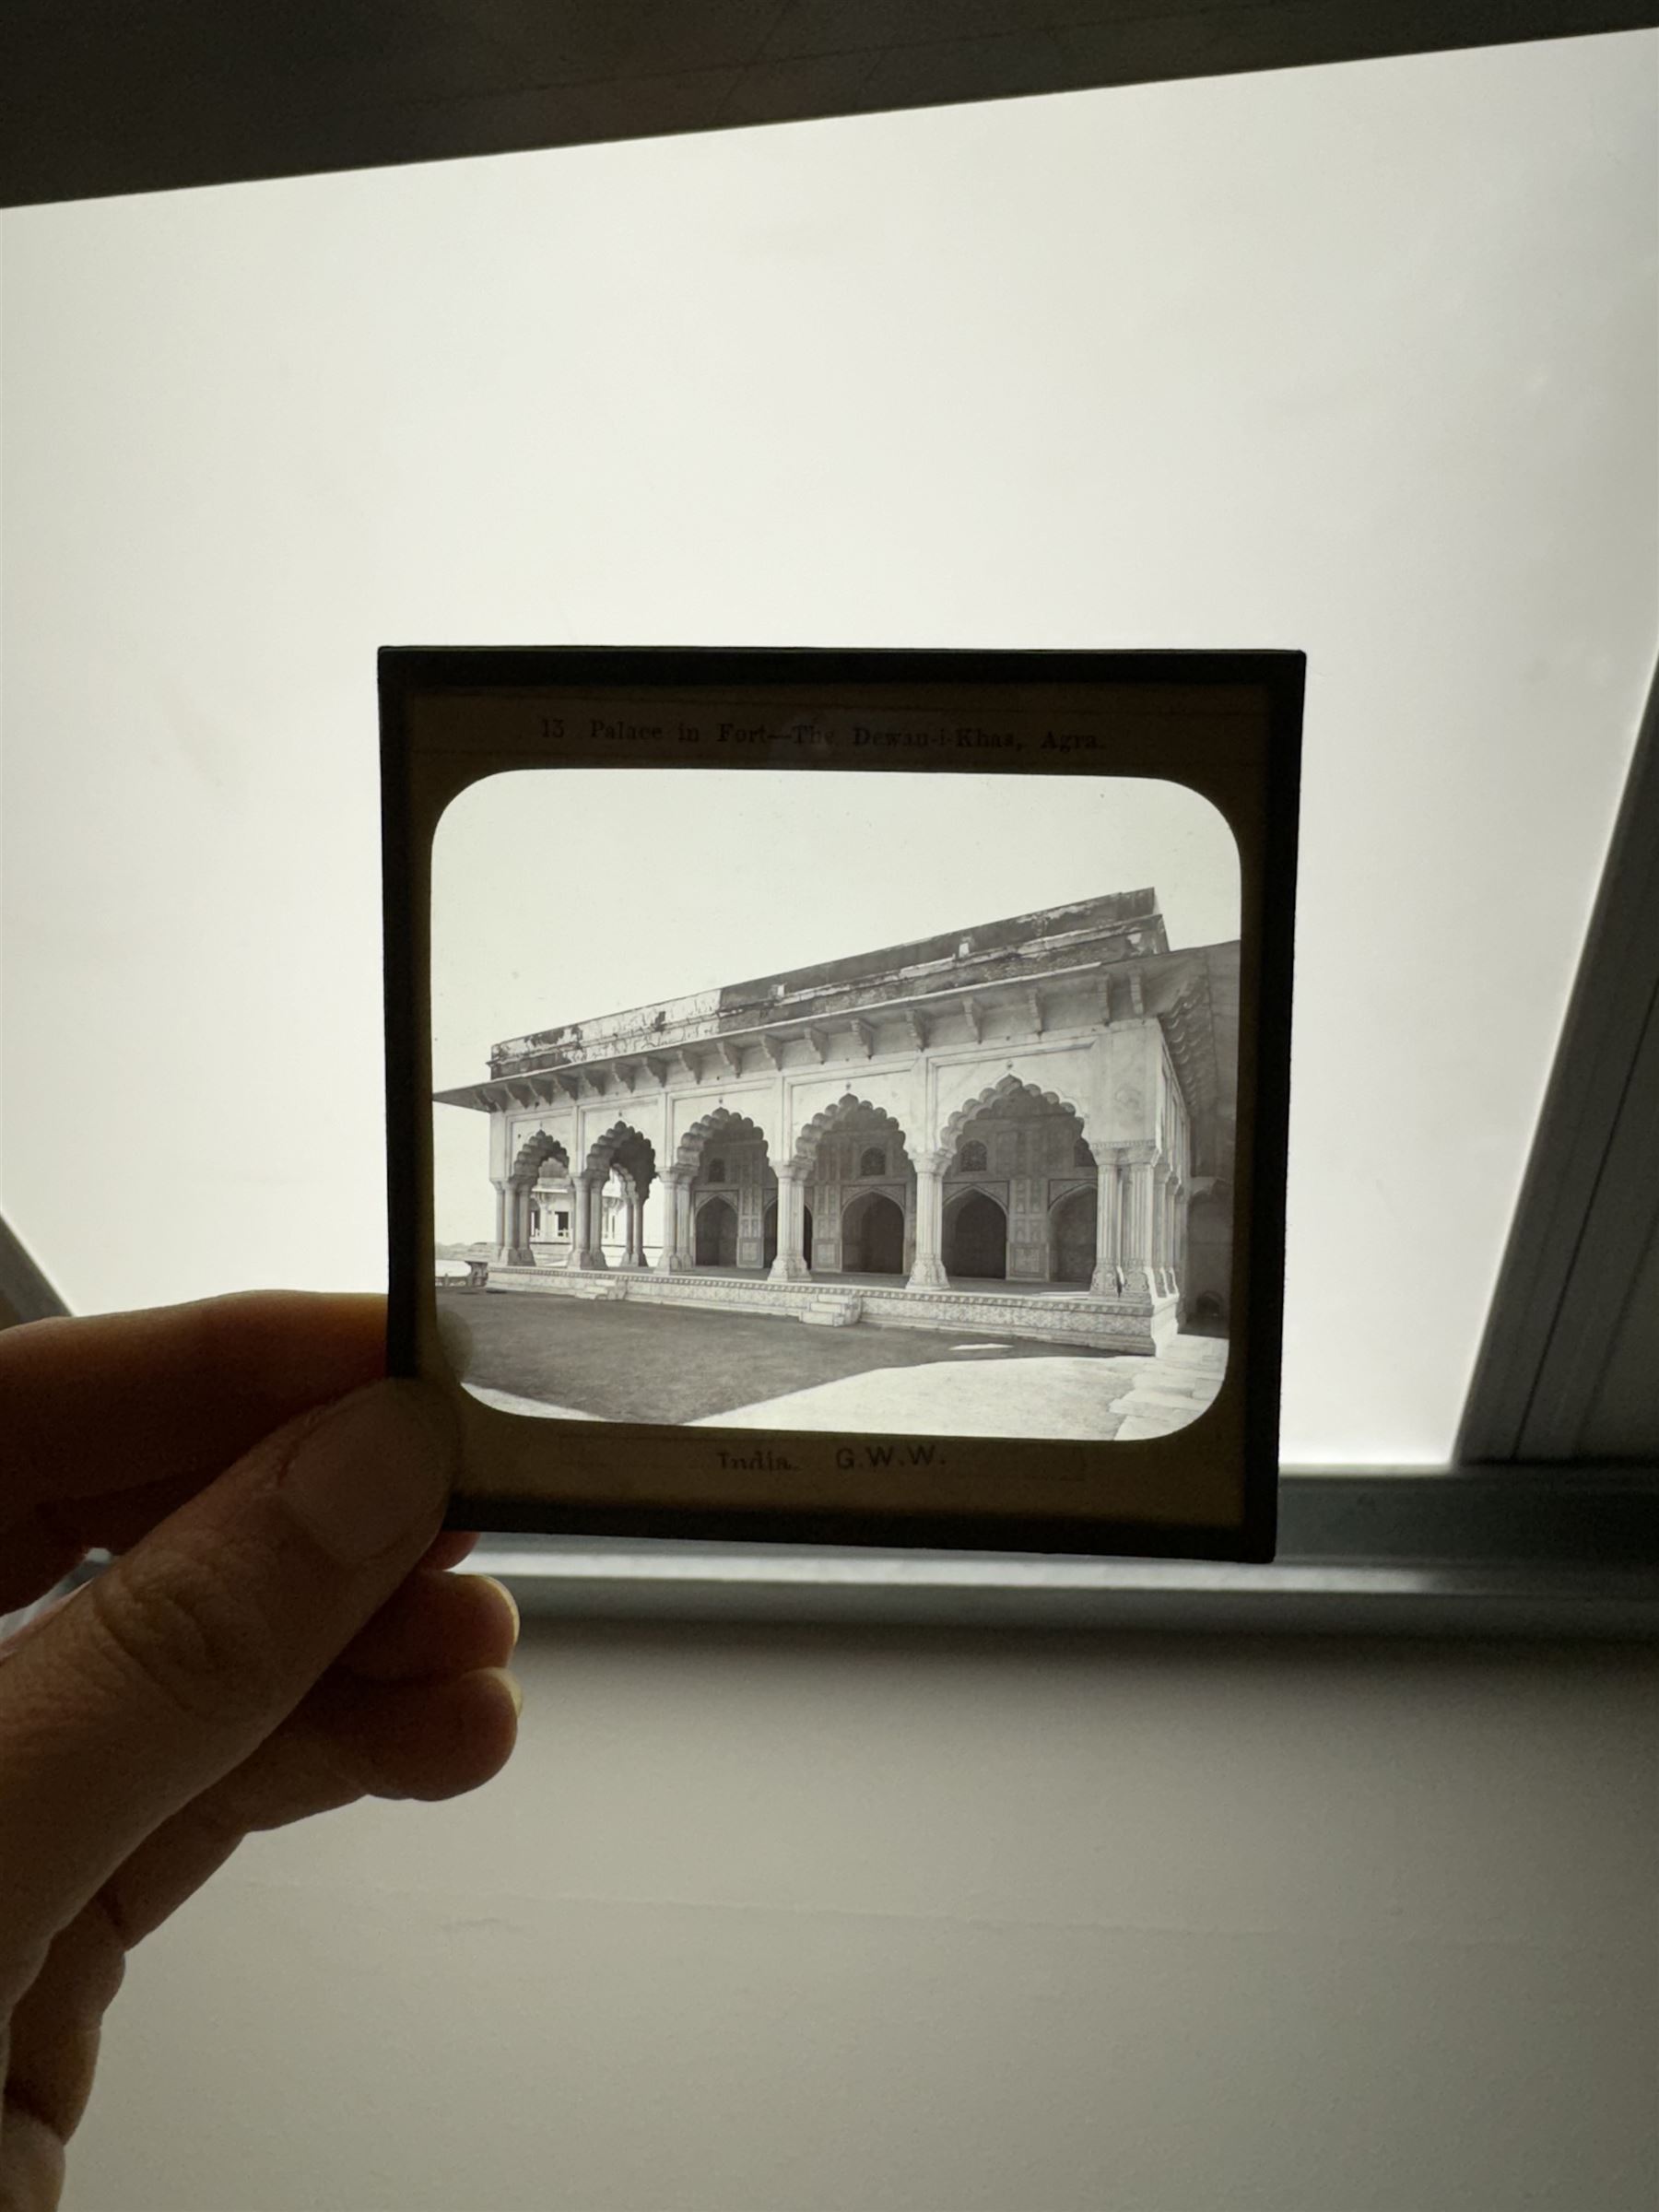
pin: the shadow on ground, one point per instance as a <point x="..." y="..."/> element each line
<point x="622" y="1362"/>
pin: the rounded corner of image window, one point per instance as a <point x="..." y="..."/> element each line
<point x="992" y="1160"/>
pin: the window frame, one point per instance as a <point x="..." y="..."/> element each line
<point x="1505" y="1542"/>
<point x="1520" y="1536"/>
<point x="1588" y="1212"/>
<point x="1525" y="1534"/>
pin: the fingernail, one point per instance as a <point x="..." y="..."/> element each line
<point x="373" y="1472"/>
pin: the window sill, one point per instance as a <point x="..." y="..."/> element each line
<point x="1564" y="1552"/>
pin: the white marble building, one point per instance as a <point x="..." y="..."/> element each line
<point x="1037" y="1109"/>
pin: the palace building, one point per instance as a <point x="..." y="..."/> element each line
<point x="1025" y="1127"/>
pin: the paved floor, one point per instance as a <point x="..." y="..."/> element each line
<point x="620" y="1361"/>
<point x="1052" y="1395"/>
<point x="616" y="1361"/>
<point x="1055" y="1395"/>
<point x="1173" y="1389"/>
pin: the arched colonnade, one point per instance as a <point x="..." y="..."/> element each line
<point x="1014" y="1193"/>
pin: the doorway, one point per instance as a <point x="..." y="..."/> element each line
<point x="976" y="1238"/>
<point x="873" y="1236"/>
<point x="716" y="1234"/>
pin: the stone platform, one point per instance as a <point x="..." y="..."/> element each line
<point x="1041" y="1312"/>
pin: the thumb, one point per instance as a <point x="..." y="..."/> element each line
<point x="180" y="1660"/>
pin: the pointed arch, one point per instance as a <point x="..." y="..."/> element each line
<point x="624" y="1147"/>
<point x="533" y="1155"/>
<point x="715" y="1233"/>
<point x="872" y="1235"/>
<point x="848" y="1109"/>
<point x="1004" y="1091"/>
<point x="974" y="1235"/>
<point x="725" y="1124"/>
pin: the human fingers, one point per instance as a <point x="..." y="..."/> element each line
<point x="169" y="1397"/>
<point x="450" y="1547"/>
<point x="46" y="1539"/>
<point x="435" y="1625"/>
<point x="56" y="1534"/>
<point x="170" y="1669"/>
<point x="33" y="1560"/>
<point x="348" y="1739"/>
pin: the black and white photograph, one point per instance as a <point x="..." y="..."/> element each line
<point x="837" y="1092"/>
<point x="958" y="1160"/>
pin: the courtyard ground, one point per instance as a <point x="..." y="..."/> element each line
<point x="606" y="1361"/>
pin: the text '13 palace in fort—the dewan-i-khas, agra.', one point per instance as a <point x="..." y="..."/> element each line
<point x="1026" y="1127"/>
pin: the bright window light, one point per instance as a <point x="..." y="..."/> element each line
<point x="1356" y="359"/>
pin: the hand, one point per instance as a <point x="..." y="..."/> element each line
<point x="280" y="1636"/>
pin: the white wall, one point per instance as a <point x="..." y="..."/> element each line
<point x="768" y="1923"/>
<point x="1358" y="360"/>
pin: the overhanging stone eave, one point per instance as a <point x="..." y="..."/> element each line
<point x="496" y="1094"/>
<point x="474" y="1095"/>
<point x="1155" y="966"/>
<point x="795" y="1025"/>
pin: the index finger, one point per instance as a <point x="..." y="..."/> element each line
<point x="172" y="1395"/>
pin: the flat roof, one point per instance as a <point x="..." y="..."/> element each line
<point x="1117" y="926"/>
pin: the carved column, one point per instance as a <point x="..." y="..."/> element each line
<point x="790" y="1267"/>
<point x="636" y="1250"/>
<point x="1107" y="1277"/>
<point x="669" y="1191"/>
<point x="686" y="1213"/>
<point x="579" y="1221"/>
<point x="587" y="1222"/>
<point x="501" y="1221"/>
<point x="1171" y="1231"/>
<point x="518" y="1252"/>
<point x="1137" y="1262"/>
<point x="631" y="1222"/>
<point x="927" y="1270"/>
<point x="598" y="1182"/>
<point x="675" y="1255"/>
